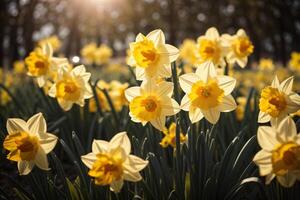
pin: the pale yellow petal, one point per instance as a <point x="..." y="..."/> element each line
<point x="264" y="161"/>
<point x="287" y="129"/>
<point x="25" y="167"/>
<point x="14" y="125"/>
<point x="212" y="115"/>
<point x="226" y="83"/>
<point x="100" y="146"/>
<point x="89" y="159"/>
<point x="159" y="123"/>
<point x="185" y="103"/>
<point x="288" y="180"/>
<point x="37" y="124"/>
<point x="266" y="137"/>
<point x="41" y="160"/>
<point x="186" y="81"/>
<point x="116" y="186"/>
<point x="287" y="85"/>
<point x="121" y="140"/>
<point x="228" y="104"/>
<point x="263" y="117"/>
<point x="48" y="142"/>
<point x="195" y="114"/>
<point x="132" y="92"/>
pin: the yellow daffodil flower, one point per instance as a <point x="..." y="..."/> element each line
<point x="88" y="52"/>
<point x="52" y="40"/>
<point x="170" y="137"/>
<point x="152" y="102"/>
<point x="102" y="54"/>
<point x="188" y="51"/>
<point x="266" y="64"/>
<point x="151" y="56"/>
<point x="72" y="87"/>
<point x="29" y="143"/>
<point x="280" y="154"/>
<point x="110" y="163"/>
<point x="210" y="47"/>
<point x="207" y="94"/>
<point x="239" y="47"/>
<point x="278" y="100"/>
<point x="294" y="62"/>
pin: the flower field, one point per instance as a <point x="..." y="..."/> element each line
<point x="197" y="120"/>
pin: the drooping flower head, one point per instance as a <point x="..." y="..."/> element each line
<point x="151" y="56"/>
<point x="152" y="102"/>
<point x="239" y="47"/>
<point x="41" y="63"/>
<point x="278" y="100"/>
<point x="280" y="154"/>
<point x="72" y="87"/>
<point x="110" y="163"/>
<point x="207" y="94"/>
<point x="210" y="47"/>
<point x="29" y="143"/>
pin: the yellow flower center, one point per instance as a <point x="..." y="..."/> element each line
<point x="38" y="64"/>
<point x="242" y="47"/>
<point x="22" y="146"/>
<point x="272" y="101"/>
<point x="206" y="95"/>
<point x="106" y="169"/>
<point x="209" y="50"/>
<point x="145" y="53"/>
<point x="68" y="90"/>
<point x="145" y="108"/>
<point x="286" y="157"/>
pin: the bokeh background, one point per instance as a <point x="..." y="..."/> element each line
<point x="273" y="25"/>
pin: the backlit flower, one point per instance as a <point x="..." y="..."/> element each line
<point x="41" y="63"/>
<point x="188" y="51"/>
<point x="152" y="102"/>
<point x="102" y="54"/>
<point x="52" y="40"/>
<point x="88" y="52"/>
<point x="72" y="87"/>
<point x="110" y="163"/>
<point x="239" y="46"/>
<point x="210" y="47"/>
<point x="266" y="64"/>
<point x="151" y="56"/>
<point x="280" y="154"/>
<point x="207" y="94"/>
<point x="278" y="100"/>
<point x="29" y="143"/>
<point x="170" y="137"/>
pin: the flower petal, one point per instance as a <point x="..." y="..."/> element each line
<point x="157" y="36"/>
<point x="25" y="167"/>
<point x="195" y="114"/>
<point x="212" y="115"/>
<point x="264" y="161"/>
<point x="14" y="125"/>
<point x="227" y="84"/>
<point x="263" y="117"/>
<point x="48" y="142"/>
<point x="41" y="160"/>
<point x="52" y="91"/>
<point x="172" y="52"/>
<point x="159" y="123"/>
<point x="65" y="105"/>
<point x="288" y="180"/>
<point x="287" y="85"/>
<point x="116" y="186"/>
<point x="206" y="71"/>
<point x="134" y="164"/>
<point x="185" y="103"/>
<point x="89" y="159"/>
<point x="132" y="92"/>
<point x="286" y="129"/>
<point x="186" y="81"/>
<point x="266" y="137"/>
<point x="169" y="107"/>
<point x="37" y="124"/>
<point x="275" y="82"/>
<point x="165" y="89"/>
<point x="212" y="33"/>
<point x="228" y="104"/>
<point x="133" y="177"/>
<point x="121" y="140"/>
<point x="100" y="146"/>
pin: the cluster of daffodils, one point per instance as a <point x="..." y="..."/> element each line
<point x="218" y="49"/>
<point x="280" y="143"/>
<point x="110" y="163"/>
<point x="98" y="55"/>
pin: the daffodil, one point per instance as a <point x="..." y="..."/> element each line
<point x="110" y="163"/>
<point x="103" y="54"/>
<point x="151" y="56"/>
<point x="278" y="100"/>
<point x="188" y="51"/>
<point x="210" y="47"/>
<point x="117" y="93"/>
<point x="41" y="63"/>
<point x="266" y="64"/>
<point x="170" y="137"/>
<point x="72" y="87"/>
<point x="52" y="40"/>
<point x="152" y="102"/>
<point x="280" y="154"/>
<point x="29" y="143"/>
<point x="88" y="52"/>
<point x="19" y="67"/>
<point x="239" y="47"/>
<point x="294" y="62"/>
<point x="207" y="94"/>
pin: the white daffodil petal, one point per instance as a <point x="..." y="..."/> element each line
<point x="48" y="142"/>
<point x="266" y="137"/>
<point x="41" y="81"/>
<point x="206" y="71"/>
<point x="228" y="104"/>
<point x="132" y="92"/>
<point x="212" y="115"/>
<point x="159" y="123"/>
<point x="295" y="98"/>
<point x="165" y="89"/>
<point x="227" y="84"/>
<point x="14" y="125"/>
<point x="52" y="91"/>
<point x="169" y="107"/>
<point x="287" y="85"/>
<point x="264" y="160"/>
<point x="287" y="129"/>
<point x="157" y="36"/>
<point x="65" y="105"/>
<point x="275" y="82"/>
<point x="172" y="52"/>
<point x="185" y="103"/>
<point x="121" y="140"/>
<point x="25" y="167"/>
<point x="195" y="115"/>
<point x="263" y="117"/>
<point x="89" y="159"/>
<point x="186" y="81"/>
<point x="135" y="164"/>
<point x="37" y="124"/>
<point x="287" y="180"/>
<point x="133" y="177"/>
<point x="41" y="160"/>
<point x="100" y="146"/>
